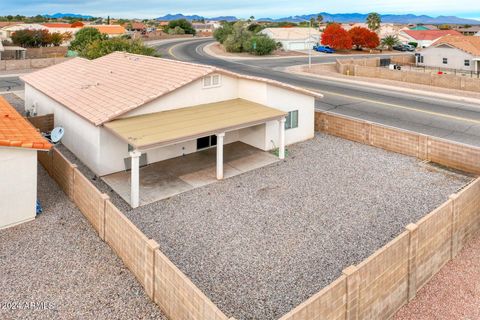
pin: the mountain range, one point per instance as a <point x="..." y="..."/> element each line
<point x="67" y="15"/>
<point x="340" y="17"/>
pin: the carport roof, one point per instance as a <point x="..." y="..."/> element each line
<point x="173" y="126"/>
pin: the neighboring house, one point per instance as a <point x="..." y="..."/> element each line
<point x="386" y="29"/>
<point x="19" y="143"/>
<point x="135" y="26"/>
<point x="203" y="27"/>
<point x="121" y="106"/>
<point x="425" y="38"/>
<point x="294" y="38"/>
<point x="6" y="32"/>
<point x="112" y="30"/>
<point x="470" y="31"/>
<point x="452" y="52"/>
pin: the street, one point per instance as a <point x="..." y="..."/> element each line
<point x="447" y="119"/>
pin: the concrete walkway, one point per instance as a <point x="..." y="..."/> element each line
<point x="167" y="178"/>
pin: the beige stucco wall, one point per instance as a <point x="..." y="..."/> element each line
<point x="18" y="185"/>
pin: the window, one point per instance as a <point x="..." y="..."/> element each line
<point x="292" y="120"/>
<point x="211" y="81"/>
<point x="467" y="63"/>
<point x="206" y="142"/>
<point x="445" y="61"/>
<point x="420" y="59"/>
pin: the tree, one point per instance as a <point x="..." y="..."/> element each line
<point x="182" y="23"/>
<point x="32" y="38"/>
<point x="312" y="22"/>
<point x="86" y="36"/>
<point x="336" y="37"/>
<point x="176" y="30"/>
<point x="223" y="32"/>
<point x="102" y="47"/>
<point x="56" y="38"/>
<point x="364" y="38"/>
<point x="260" y="45"/>
<point x="239" y="37"/>
<point x="319" y="19"/>
<point x="373" y="21"/>
<point x="390" y="41"/>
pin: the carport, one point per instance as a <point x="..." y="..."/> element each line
<point x="169" y="127"/>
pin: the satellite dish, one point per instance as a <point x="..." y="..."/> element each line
<point x="57" y="134"/>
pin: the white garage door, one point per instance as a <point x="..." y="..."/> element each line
<point x="297" y="46"/>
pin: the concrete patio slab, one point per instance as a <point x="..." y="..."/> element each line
<point x="167" y="178"/>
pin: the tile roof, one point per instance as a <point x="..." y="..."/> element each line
<point x="468" y="44"/>
<point x="103" y="89"/>
<point x="110" y="29"/>
<point x="16" y="131"/>
<point x="430" y="34"/>
<point x="57" y="25"/>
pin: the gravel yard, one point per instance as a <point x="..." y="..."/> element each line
<point x="260" y="243"/>
<point x="59" y="260"/>
<point x="453" y="293"/>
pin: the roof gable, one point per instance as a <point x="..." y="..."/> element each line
<point x="429" y="34"/>
<point x="103" y="89"/>
<point x="467" y="44"/>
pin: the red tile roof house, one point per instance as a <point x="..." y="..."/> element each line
<point x="19" y="143"/>
<point x="122" y="105"/>
<point x="425" y="38"/>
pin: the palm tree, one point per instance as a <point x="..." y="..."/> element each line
<point x="312" y="22"/>
<point x="390" y="41"/>
<point x="373" y="21"/>
<point x="319" y="19"/>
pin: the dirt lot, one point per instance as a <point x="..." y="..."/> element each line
<point x="453" y="293"/>
<point x="260" y="243"/>
<point x="56" y="267"/>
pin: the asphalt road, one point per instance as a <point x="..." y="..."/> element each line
<point x="447" y="119"/>
<point x="11" y="83"/>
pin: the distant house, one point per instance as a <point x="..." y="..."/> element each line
<point x="172" y="109"/>
<point x="470" y="31"/>
<point x="425" y="38"/>
<point x="19" y="143"/>
<point x="452" y="52"/>
<point x="294" y="38"/>
<point x="7" y="31"/>
<point x="386" y="29"/>
<point x="205" y="28"/>
<point x="112" y="30"/>
<point x="135" y="26"/>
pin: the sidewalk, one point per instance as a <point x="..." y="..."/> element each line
<point x="453" y="293"/>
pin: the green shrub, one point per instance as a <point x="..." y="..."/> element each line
<point x="86" y="36"/>
<point x="100" y="48"/>
<point x="261" y="45"/>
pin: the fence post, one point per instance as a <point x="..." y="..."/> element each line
<point x="353" y="284"/>
<point x="151" y="247"/>
<point x="101" y="216"/>
<point x="455" y="241"/>
<point x="412" y="260"/>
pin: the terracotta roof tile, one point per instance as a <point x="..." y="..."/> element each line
<point x="16" y="131"/>
<point x="430" y="34"/>
<point x="110" y="29"/>
<point x="469" y="44"/>
<point x="103" y="89"/>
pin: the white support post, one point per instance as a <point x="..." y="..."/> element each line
<point x="281" y="147"/>
<point x="220" y="137"/>
<point x="135" y="179"/>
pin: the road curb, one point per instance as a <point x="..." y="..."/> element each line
<point x="386" y="87"/>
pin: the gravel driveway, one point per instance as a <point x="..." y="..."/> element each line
<point x="59" y="262"/>
<point x="260" y="243"/>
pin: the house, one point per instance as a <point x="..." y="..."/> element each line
<point x="425" y="38"/>
<point x="203" y="27"/>
<point x="7" y="31"/>
<point x="135" y="26"/>
<point x="386" y="29"/>
<point x="122" y="109"/>
<point x="19" y="143"/>
<point x="112" y="30"/>
<point x="452" y="52"/>
<point x="469" y="31"/>
<point x="294" y="38"/>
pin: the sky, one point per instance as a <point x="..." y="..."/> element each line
<point x="240" y="8"/>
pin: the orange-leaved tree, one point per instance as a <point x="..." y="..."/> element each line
<point x="336" y="37"/>
<point x="364" y="38"/>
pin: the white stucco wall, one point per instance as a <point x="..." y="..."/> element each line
<point x="18" y="185"/>
<point x="433" y="57"/>
<point x="104" y="153"/>
<point x="81" y="137"/>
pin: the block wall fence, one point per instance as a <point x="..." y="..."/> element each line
<point x="374" y="289"/>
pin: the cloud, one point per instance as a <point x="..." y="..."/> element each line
<point x="245" y="8"/>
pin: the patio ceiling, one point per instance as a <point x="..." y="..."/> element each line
<point x="178" y="125"/>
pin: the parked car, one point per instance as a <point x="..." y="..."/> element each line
<point x="404" y="47"/>
<point x="324" y="49"/>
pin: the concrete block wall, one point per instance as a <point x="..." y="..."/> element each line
<point x="11" y="65"/>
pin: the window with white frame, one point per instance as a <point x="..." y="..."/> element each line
<point x="211" y="81"/>
<point x="467" y="63"/>
<point x="445" y="60"/>
<point x="291" y="120"/>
